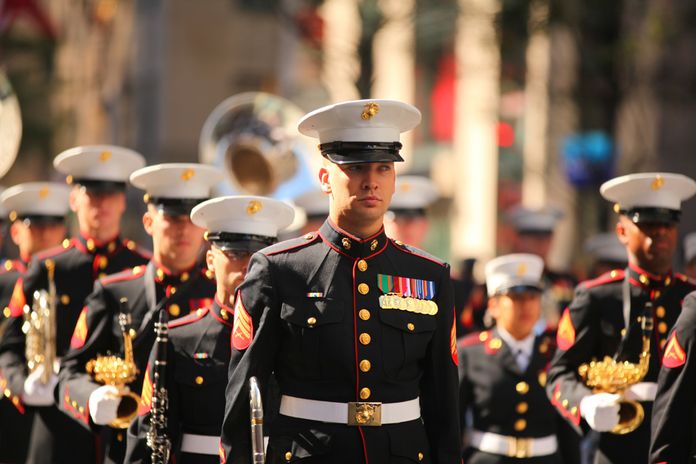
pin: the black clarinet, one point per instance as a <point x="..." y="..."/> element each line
<point x="157" y="438"/>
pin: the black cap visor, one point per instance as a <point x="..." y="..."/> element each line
<point x="175" y="207"/>
<point x="361" y="152"/>
<point x="227" y="241"/>
<point x="100" y="186"/>
<point x="41" y="219"/>
<point x="408" y="213"/>
<point x="655" y="215"/>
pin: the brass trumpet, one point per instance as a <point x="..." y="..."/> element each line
<point x="612" y="376"/>
<point x="39" y="327"/>
<point x="112" y="370"/>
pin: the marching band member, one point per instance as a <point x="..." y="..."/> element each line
<point x="173" y="279"/>
<point x="357" y="329"/>
<point x="604" y="318"/>
<point x="98" y="175"/>
<point x="198" y="350"/>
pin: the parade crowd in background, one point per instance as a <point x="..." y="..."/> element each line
<point x="365" y="347"/>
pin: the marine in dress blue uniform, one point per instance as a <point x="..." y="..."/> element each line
<point x="502" y="373"/>
<point x="98" y="176"/>
<point x="36" y="213"/>
<point x="594" y="325"/>
<point x="198" y="350"/>
<point x="358" y="329"/>
<point x="174" y="280"/>
<point x="674" y="412"/>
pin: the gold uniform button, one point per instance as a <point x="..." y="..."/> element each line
<point x="174" y="310"/>
<point x="223" y="313"/>
<point x="522" y="388"/>
<point x="662" y="327"/>
<point x="362" y="265"/>
<point x="119" y="436"/>
<point x="103" y="262"/>
<point x="483" y="336"/>
<point x="363" y="288"/>
<point x="311" y="321"/>
<point x="660" y="311"/>
<point x="7" y="392"/>
<point x="199" y="380"/>
<point x="668" y="280"/>
<point x="496" y="343"/>
<point x="410" y="326"/>
<point x="420" y="456"/>
<point x="111" y="247"/>
<point x="66" y="243"/>
<point x="613" y="274"/>
<point x="132" y="333"/>
<point x="565" y="403"/>
<point x="184" y="277"/>
<point x="662" y="344"/>
<point x="160" y="274"/>
<point x="130" y="245"/>
<point x="172" y="290"/>
<point x="365" y="338"/>
<point x="365" y="393"/>
<point x="288" y="456"/>
<point x="346" y="243"/>
<point x="65" y="299"/>
<point x="90" y="245"/>
<point x="657" y="294"/>
<point x="6" y="312"/>
<point x="102" y="275"/>
<point x="365" y="365"/>
<point x="542" y="378"/>
<point x="623" y="332"/>
<point x="522" y="407"/>
<point x="8" y="265"/>
<point x="574" y="410"/>
<point x="364" y="314"/>
<point x="643" y="279"/>
<point x="520" y="424"/>
<point x="373" y="245"/>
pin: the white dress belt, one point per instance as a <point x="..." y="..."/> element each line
<point x="200" y="444"/>
<point x="338" y="413"/>
<point x="513" y="446"/>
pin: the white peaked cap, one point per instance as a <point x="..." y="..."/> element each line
<point x="177" y="180"/>
<point x="99" y="162"/>
<point x="360" y="121"/>
<point x="37" y="199"/>
<point x="313" y="202"/>
<point x="649" y="190"/>
<point x="413" y="192"/>
<point x="606" y="247"/>
<point x="514" y="270"/>
<point x="244" y="214"/>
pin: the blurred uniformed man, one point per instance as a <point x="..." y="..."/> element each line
<point x="358" y="329"/>
<point x="98" y="175"/>
<point x="37" y="222"/>
<point x="406" y="219"/>
<point x="534" y="234"/>
<point x="198" y="351"/>
<point x="502" y="372"/>
<point x="315" y="205"/>
<point x="601" y="322"/>
<point x="607" y="253"/>
<point x="174" y="280"/>
<point x="690" y="255"/>
<point x="674" y="413"/>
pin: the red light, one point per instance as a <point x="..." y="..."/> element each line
<point x="506" y="134"/>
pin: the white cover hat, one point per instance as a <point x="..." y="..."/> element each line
<point x="413" y="193"/>
<point x="690" y="247"/>
<point x="232" y="220"/>
<point x="606" y="247"/>
<point x="313" y="202"/>
<point x="515" y="270"/>
<point x="527" y="220"/>
<point x="649" y="196"/>
<point x="36" y="199"/>
<point x="91" y="165"/>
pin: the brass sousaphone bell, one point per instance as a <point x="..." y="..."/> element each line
<point x="254" y="138"/>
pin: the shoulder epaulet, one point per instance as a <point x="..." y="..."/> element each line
<point x="132" y="246"/>
<point x="607" y="277"/>
<point x="128" y="274"/>
<point x="474" y="338"/>
<point x="189" y="318"/>
<point x="417" y="252"/>
<point x="684" y="278"/>
<point x="51" y="252"/>
<point x="291" y="244"/>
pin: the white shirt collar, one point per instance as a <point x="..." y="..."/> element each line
<point x="526" y="345"/>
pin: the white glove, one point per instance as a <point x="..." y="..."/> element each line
<point x="37" y="393"/>
<point x="103" y="404"/>
<point x="641" y="391"/>
<point x="601" y="411"/>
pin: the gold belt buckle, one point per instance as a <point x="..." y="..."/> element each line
<point x="519" y="447"/>
<point x="364" y="414"/>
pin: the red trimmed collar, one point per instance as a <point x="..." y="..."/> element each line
<point x="643" y="278"/>
<point x="164" y="275"/>
<point x="223" y="314"/>
<point x="350" y="245"/>
<point x="93" y="246"/>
